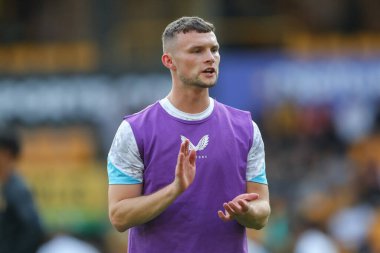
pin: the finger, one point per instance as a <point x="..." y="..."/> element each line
<point x="193" y="157"/>
<point x="244" y="205"/>
<point x="224" y="217"/>
<point x="183" y="145"/>
<point x="180" y="159"/>
<point x="252" y="196"/>
<point x="235" y="207"/>
<point x="248" y="196"/>
<point x="229" y="209"/>
<point x="186" y="148"/>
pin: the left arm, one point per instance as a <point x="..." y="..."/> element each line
<point x="251" y="209"/>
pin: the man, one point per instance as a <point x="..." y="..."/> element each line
<point x="20" y="227"/>
<point x="173" y="201"/>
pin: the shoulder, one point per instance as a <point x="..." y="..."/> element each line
<point x="256" y="129"/>
<point x="124" y="162"/>
<point x="144" y="113"/>
<point x="236" y="116"/>
<point x="123" y="133"/>
<point x="231" y="109"/>
<point x="16" y="187"/>
<point x="15" y="182"/>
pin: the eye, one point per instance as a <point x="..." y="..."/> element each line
<point x="196" y="50"/>
<point x="215" y="49"/>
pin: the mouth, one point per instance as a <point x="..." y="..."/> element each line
<point x="209" y="71"/>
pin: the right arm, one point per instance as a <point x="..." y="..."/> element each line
<point x="128" y="208"/>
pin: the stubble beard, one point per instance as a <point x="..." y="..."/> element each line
<point x="197" y="82"/>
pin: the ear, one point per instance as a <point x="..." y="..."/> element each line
<point x="168" y="61"/>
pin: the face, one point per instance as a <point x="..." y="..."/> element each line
<point x="195" y="59"/>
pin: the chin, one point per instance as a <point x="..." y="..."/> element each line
<point x="205" y="85"/>
<point x="198" y="82"/>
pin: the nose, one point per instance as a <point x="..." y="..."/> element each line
<point x="210" y="57"/>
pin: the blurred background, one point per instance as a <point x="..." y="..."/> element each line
<point x="309" y="71"/>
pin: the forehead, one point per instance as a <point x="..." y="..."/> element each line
<point x="195" y="39"/>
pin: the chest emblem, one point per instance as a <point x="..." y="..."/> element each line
<point x="202" y="144"/>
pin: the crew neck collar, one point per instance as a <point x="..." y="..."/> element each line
<point x="173" y="111"/>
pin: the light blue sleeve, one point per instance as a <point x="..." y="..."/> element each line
<point x="124" y="163"/>
<point x="256" y="159"/>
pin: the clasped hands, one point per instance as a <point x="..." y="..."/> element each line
<point x="238" y="207"/>
<point x="185" y="173"/>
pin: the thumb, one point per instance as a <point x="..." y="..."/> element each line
<point x="252" y="196"/>
<point x="248" y="196"/>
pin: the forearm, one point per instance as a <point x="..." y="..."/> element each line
<point x="128" y="208"/>
<point x="257" y="215"/>
<point x="130" y="212"/>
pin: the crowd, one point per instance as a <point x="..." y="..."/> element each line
<point x="324" y="188"/>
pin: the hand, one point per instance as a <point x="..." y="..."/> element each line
<point x="239" y="206"/>
<point x="185" y="169"/>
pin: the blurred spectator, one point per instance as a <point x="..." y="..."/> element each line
<point x="67" y="244"/>
<point x="277" y="234"/>
<point x="20" y="227"/>
<point x="255" y="247"/>
<point x="315" y="241"/>
<point x="374" y="234"/>
<point x="354" y="119"/>
<point x="312" y="236"/>
<point x="350" y="226"/>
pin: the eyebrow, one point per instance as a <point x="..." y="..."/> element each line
<point x="203" y="46"/>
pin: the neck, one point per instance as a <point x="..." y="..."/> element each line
<point x="190" y="100"/>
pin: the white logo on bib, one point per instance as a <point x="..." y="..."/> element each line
<point x="202" y="144"/>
